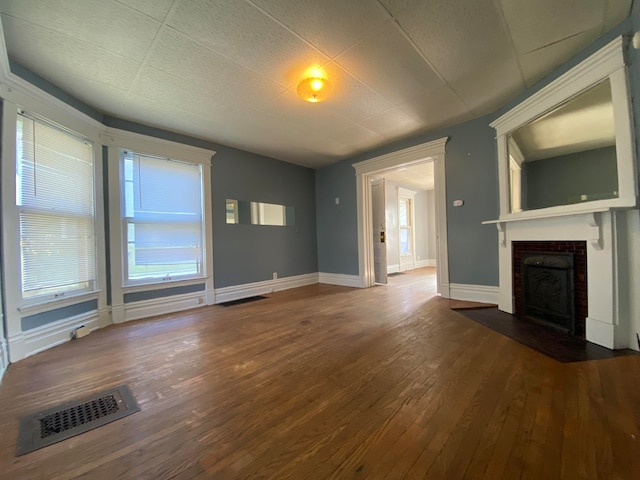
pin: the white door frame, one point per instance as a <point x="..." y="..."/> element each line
<point x="430" y="151"/>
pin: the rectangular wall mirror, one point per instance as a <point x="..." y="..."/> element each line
<point x="566" y="156"/>
<point x="244" y="212"/>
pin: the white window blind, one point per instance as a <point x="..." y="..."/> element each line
<point x="55" y="200"/>
<point x="162" y="218"/>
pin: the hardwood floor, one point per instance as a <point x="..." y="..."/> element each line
<point x="326" y="382"/>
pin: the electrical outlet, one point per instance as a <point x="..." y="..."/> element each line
<point x="275" y="275"/>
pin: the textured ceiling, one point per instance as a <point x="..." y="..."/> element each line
<point x="227" y="70"/>
<point x="419" y="176"/>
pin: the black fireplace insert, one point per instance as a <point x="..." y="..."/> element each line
<point x="548" y="286"/>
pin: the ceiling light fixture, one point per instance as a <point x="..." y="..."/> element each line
<point x="314" y="89"/>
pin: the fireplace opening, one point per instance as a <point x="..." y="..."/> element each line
<point x="548" y="289"/>
<point x="562" y="268"/>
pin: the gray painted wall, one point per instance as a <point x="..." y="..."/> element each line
<point x="43" y="318"/>
<point x="471" y="174"/>
<point x="242" y="254"/>
<point x="336" y="224"/>
<point x="555" y="181"/>
<point x="471" y="170"/>
<point x="252" y="253"/>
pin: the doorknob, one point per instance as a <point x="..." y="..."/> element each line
<point x="381" y="237"/>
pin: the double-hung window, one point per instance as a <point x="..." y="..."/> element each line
<point x="56" y="209"/>
<point x="162" y="202"/>
<point x="404" y="220"/>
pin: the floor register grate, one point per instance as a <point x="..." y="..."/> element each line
<point x="73" y="418"/>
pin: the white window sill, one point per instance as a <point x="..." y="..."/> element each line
<point x="148" y="286"/>
<point x="45" y="305"/>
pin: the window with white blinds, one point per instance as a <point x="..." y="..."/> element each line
<point x="55" y="200"/>
<point x="162" y="218"/>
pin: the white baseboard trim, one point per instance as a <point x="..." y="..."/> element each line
<point x="429" y="262"/>
<point x="601" y="333"/>
<point x="341" y="279"/>
<point x="238" y="292"/>
<point x="211" y="296"/>
<point x="474" y="293"/>
<point x="160" y="306"/>
<point x="395" y="268"/>
<point x="34" y="341"/>
<point x="4" y="356"/>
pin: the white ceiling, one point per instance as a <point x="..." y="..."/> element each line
<point x="227" y="70"/>
<point x="419" y="176"/>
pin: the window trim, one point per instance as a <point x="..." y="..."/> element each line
<point x="116" y="140"/>
<point x="16" y="92"/>
<point x="409" y="258"/>
<point x="55" y="299"/>
<point x="126" y="280"/>
<point x="54" y="111"/>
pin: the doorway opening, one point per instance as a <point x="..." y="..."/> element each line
<point x="370" y="236"/>
<point x="404" y="220"/>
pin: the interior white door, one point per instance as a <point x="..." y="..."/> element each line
<point x="379" y="230"/>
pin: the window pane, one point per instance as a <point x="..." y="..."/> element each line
<point x="57" y="253"/>
<point x="405" y="242"/>
<point x="163" y="211"/>
<point x="55" y="199"/>
<point x="49" y="161"/>
<point x="402" y="212"/>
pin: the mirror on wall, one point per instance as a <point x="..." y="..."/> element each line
<point x="567" y="155"/>
<point x="244" y="212"/>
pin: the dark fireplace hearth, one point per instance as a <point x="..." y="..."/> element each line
<point x="548" y="289"/>
<point x="550" y="283"/>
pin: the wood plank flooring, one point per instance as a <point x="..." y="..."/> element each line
<point x="326" y="382"/>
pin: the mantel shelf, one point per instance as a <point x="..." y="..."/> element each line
<point x="536" y="215"/>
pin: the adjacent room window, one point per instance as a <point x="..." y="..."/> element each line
<point x="162" y="218"/>
<point x="56" y="208"/>
<point x="404" y="221"/>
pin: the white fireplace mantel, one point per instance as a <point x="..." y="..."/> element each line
<point x="609" y="225"/>
<point x="608" y="252"/>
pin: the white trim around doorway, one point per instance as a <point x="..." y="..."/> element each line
<point x="430" y="151"/>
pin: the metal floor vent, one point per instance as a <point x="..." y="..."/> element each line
<point x="242" y="301"/>
<point x="73" y="418"/>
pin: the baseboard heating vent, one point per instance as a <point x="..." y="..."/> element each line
<point x="73" y="418"/>
<point x="242" y="301"/>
